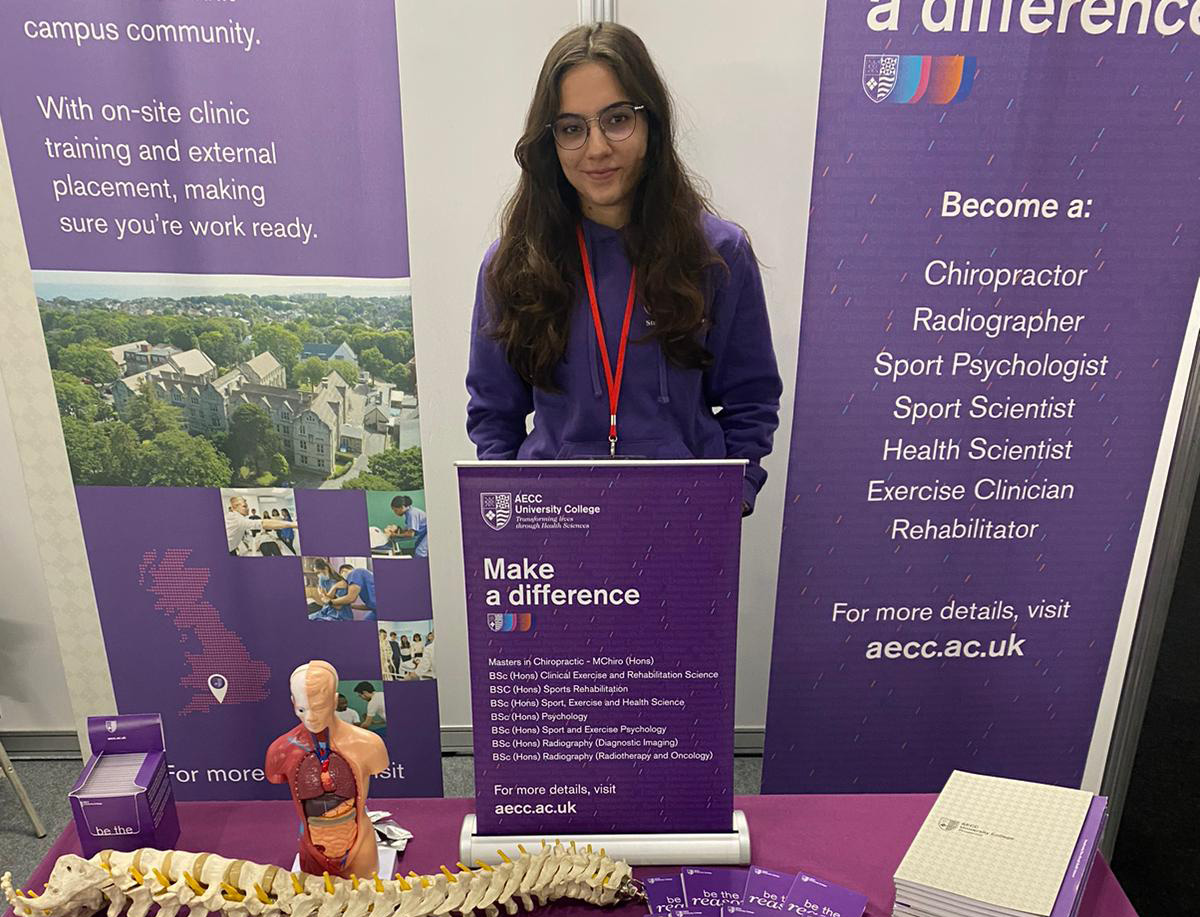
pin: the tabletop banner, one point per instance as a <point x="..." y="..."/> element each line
<point x="1001" y="264"/>
<point x="601" y="624"/>
<point x="212" y="196"/>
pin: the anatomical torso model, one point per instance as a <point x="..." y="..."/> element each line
<point x="327" y="763"/>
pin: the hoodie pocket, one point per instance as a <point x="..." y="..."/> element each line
<point x="669" y="448"/>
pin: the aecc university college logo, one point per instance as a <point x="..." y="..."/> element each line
<point x="906" y="79"/>
<point x="496" y="509"/>
<point x="507" y="622"/>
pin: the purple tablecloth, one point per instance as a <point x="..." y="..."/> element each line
<point x="856" y="841"/>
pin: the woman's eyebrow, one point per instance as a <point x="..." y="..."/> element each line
<point x="576" y="114"/>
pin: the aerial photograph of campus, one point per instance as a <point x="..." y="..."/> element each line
<point x="209" y="381"/>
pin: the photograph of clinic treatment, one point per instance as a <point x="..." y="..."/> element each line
<point x="397" y="523"/>
<point x="360" y="703"/>
<point x="339" y="588"/>
<point x="261" y="521"/>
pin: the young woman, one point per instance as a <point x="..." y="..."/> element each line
<point x="288" y="534"/>
<point x="616" y="307"/>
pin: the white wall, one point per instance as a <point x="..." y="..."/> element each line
<point x="467" y="71"/>
<point x="33" y="688"/>
<point x="46" y="602"/>
<point x="745" y="78"/>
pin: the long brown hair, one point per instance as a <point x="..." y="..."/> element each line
<point x="531" y="278"/>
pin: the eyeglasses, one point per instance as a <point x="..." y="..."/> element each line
<point x="616" y="123"/>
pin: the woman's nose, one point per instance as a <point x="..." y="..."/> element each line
<point x="597" y="144"/>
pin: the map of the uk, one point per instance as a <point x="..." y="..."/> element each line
<point x="179" y="594"/>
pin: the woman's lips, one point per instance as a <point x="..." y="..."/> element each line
<point x="599" y="174"/>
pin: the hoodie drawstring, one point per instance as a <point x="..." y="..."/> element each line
<point x="592" y="361"/>
<point x="664" y="394"/>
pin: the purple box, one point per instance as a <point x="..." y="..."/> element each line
<point x="123" y="798"/>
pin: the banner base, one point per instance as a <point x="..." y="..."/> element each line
<point x="721" y="848"/>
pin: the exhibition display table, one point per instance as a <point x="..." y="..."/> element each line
<point x="856" y="841"/>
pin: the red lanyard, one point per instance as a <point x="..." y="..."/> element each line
<point x="613" y="380"/>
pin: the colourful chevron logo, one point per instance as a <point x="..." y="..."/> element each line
<point x="905" y="79"/>
<point x="508" y="622"/>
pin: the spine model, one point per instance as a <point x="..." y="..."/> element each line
<point x="130" y="883"/>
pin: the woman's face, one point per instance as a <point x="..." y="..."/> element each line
<point x="604" y="173"/>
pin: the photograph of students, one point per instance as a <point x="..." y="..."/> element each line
<point x="410" y="653"/>
<point x="607" y="247"/>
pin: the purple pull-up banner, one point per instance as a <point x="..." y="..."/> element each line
<point x="1001" y="265"/>
<point x="602" y="622"/>
<point x="213" y="200"/>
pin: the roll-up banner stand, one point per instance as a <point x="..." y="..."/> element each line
<point x="219" y="326"/>
<point x="602" y="624"/>
<point x="1001" y="276"/>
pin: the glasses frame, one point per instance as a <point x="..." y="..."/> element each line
<point x="587" y="125"/>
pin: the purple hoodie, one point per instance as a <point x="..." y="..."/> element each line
<point x="665" y="412"/>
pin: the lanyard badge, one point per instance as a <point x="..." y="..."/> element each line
<point x="612" y="379"/>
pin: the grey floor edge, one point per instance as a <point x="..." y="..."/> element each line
<point x="49" y="781"/>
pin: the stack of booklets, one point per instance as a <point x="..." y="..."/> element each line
<point x="114" y="775"/>
<point x="749" y="892"/>
<point x="993" y="847"/>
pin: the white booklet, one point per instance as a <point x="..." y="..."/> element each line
<point x="1006" y="843"/>
<point x="114" y="775"/>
